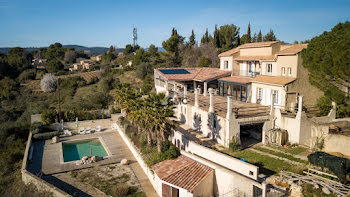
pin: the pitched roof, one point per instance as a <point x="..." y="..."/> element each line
<point x="269" y="57"/>
<point x="293" y="49"/>
<point x="273" y="80"/>
<point x="182" y="172"/>
<point x="258" y="44"/>
<point x="229" y="52"/>
<point x="196" y="74"/>
<point x="237" y="79"/>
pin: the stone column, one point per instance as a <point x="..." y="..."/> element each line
<point x="211" y="100"/>
<point x="300" y="107"/>
<point x="205" y="91"/>
<point x="185" y="91"/>
<point x="196" y="92"/>
<point x="195" y="85"/>
<point x="229" y="107"/>
<point x="166" y="88"/>
<point x="272" y="106"/>
<point x="174" y="90"/>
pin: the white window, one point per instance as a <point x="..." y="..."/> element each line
<point x="283" y="71"/>
<point x="275" y="97"/>
<point x="259" y="96"/>
<point x="269" y="68"/>
<point x="289" y="71"/>
<point x="226" y="64"/>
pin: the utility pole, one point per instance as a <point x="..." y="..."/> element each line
<point x="134" y="36"/>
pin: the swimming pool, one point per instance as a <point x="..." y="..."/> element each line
<point x="78" y="149"/>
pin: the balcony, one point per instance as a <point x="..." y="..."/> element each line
<point x="245" y="73"/>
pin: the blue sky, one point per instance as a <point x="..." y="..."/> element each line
<point x="103" y="23"/>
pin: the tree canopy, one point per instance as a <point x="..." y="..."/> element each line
<point x="328" y="61"/>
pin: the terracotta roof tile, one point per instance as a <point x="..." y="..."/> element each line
<point x="273" y="80"/>
<point x="229" y="52"/>
<point x="258" y="44"/>
<point x="182" y="172"/>
<point x="197" y="74"/>
<point x="269" y="57"/>
<point x="237" y="79"/>
<point x="293" y="49"/>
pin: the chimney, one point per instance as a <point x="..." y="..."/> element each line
<point x="211" y="101"/>
<point x="196" y="92"/>
<point x="229" y="107"/>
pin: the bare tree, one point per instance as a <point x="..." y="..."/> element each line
<point x="209" y="51"/>
<point x="48" y="83"/>
<point x="70" y="56"/>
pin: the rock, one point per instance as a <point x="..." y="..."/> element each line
<point x="95" y="158"/>
<point x="85" y="158"/>
<point x="124" y="162"/>
<point x="316" y="186"/>
<point x="326" y="190"/>
<point x="296" y="190"/>
<point x="55" y="139"/>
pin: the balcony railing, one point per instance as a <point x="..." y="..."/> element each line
<point x="245" y="73"/>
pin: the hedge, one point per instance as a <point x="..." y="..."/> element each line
<point x="39" y="127"/>
<point x="49" y="116"/>
<point x="338" y="165"/>
<point x="46" y="136"/>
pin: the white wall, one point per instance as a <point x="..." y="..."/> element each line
<point x="264" y="68"/>
<point x="222" y="63"/>
<point x="267" y="94"/>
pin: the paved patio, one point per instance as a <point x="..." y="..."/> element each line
<point x="52" y="159"/>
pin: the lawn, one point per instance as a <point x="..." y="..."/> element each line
<point x="294" y="150"/>
<point x="279" y="154"/>
<point x="267" y="165"/>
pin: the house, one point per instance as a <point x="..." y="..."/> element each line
<point x="96" y="58"/>
<point x="82" y="64"/>
<point x="183" y="177"/>
<point x="259" y="88"/>
<point x="39" y="63"/>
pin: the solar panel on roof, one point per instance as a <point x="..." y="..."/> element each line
<point x="174" y="71"/>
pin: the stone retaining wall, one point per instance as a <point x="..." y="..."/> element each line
<point x="138" y="157"/>
<point x="40" y="184"/>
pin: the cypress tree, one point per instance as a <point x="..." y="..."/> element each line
<point x="249" y="37"/>
<point x="192" y="40"/>
<point x="260" y="39"/>
<point x="216" y="37"/>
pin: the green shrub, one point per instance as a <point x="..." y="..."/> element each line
<point x="35" y="127"/>
<point x="38" y="127"/>
<point x="49" y="116"/>
<point x="120" y="190"/>
<point x="121" y="120"/>
<point x="234" y="146"/>
<point x="46" y="136"/>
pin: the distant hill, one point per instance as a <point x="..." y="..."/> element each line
<point x="93" y="50"/>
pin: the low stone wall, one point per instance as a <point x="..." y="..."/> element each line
<point x="40" y="184"/>
<point x="138" y="157"/>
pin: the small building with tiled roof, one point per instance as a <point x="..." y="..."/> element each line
<point x="183" y="177"/>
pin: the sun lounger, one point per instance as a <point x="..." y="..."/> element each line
<point x="67" y="133"/>
<point x="88" y="130"/>
<point x="114" y="126"/>
<point x="98" y="128"/>
<point x="82" y="130"/>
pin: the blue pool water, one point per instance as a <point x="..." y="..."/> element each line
<point x="76" y="150"/>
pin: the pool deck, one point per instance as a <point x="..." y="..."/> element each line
<point x="52" y="161"/>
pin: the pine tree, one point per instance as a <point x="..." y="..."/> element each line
<point x="249" y="37"/>
<point x="255" y="38"/>
<point x="192" y="40"/>
<point x="260" y="39"/>
<point x="270" y="36"/>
